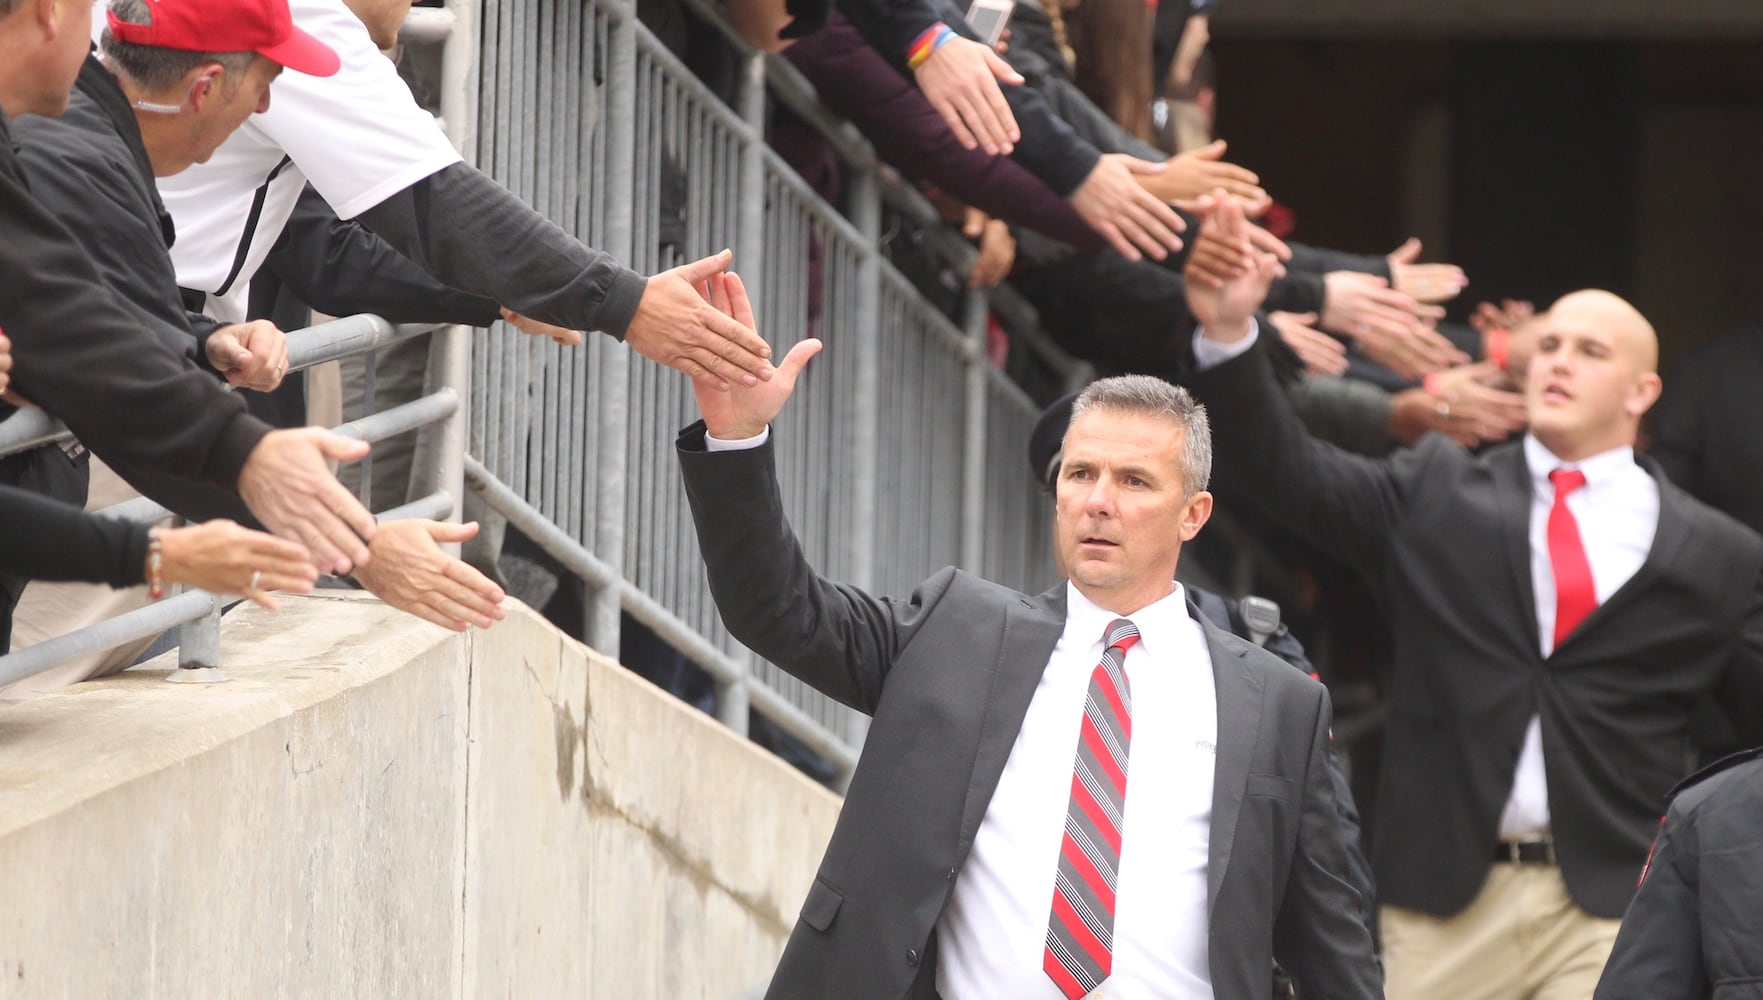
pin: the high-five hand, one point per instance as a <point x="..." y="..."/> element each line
<point x="743" y="411"/>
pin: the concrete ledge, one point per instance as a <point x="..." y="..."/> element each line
<point x="377" y="807"/>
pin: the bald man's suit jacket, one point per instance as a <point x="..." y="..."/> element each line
<point x="948" y="674"/>
<point x="1443" y="536"/>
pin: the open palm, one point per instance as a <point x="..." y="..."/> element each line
<point x="741" y="411"/>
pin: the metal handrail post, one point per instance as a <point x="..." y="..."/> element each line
<point x="973" y="447"/>
<point x="611" y="360"/>
<point x="199" y="642"/>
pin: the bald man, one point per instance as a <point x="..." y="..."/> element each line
<point x="1558" y="609"/>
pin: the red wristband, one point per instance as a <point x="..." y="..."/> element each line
<point x="1499" y="345"/>
<point x="1434" y="384"/>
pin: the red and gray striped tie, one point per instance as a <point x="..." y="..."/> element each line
<point x="1080" y="931"/>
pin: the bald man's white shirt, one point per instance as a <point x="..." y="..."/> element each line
<point x="359" y="136"/>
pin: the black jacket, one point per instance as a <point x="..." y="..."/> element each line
<point x="127" y="391"/>
<point x="1695" y="928"/>
<point x="1443" y="536"/>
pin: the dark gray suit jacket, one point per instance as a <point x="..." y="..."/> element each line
<point x="1444" y="537"/>
<point x="948" y="674"/>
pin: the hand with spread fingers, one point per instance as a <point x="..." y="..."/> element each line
<point x="960" y="79"/>
<point x="410" y="572"/>
<point x="1389" y="326"/>
<point x="561" y="335"/>
<point x="1321" y="353"/>
<point x="676" y="326"/>
<point x="1428" y="283"/>
<point x="223" y="558"/>
<point x="1187" y="177"/>
<point x="1116" y="205"/>
<point x="745" y="411"/>
<point x="251" y="355"/>
<point x="287" y="483"/>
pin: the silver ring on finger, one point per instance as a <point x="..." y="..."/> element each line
<point x="256" y="578"/>
<point x="1444" y="409"/>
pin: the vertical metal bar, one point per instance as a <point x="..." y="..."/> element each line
<point x="199" y="640"/>
<point x="614" y="387"/>
<point x="973" y="453"/>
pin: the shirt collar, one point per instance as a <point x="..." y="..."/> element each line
<point x="1600" y="469"/>
<point x="1159" y="623"/>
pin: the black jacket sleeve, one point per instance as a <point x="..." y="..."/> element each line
<point x="77" y="353"/>
<point x="1658" y="951"/>
<point x="342" y="268"/>
<point x="471" y="233"/>
<point x="43" y="539"/>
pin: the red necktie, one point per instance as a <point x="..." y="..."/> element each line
<point x="1080" y="930"/>
<point x="1575" y="595"/>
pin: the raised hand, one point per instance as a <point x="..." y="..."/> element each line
<point x="223" y="558"/>
<point x="676" y="327"/>
<point x="287" y="483"/>
<point x="562" y="335"/>
<point x="1429" y="283"/>
<point x="1225" y="310"/>
<point x="1321" y="353"/>
<point x="1388" y="325"/>
<point x="744" y="411"/>
<point x="1116" y="205"/>
<point x="960" y="79"/>
<point x="1189" y="176"/>
<point x="410" y="572"/>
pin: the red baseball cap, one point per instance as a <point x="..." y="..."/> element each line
<point x="265" y="27"/>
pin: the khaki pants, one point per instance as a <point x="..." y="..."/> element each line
<point x="1523" y="938"/>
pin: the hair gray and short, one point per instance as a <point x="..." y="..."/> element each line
<point x="155" y="68"/>
<point x="1151" y="396"/>
<point x="8" y="6"/>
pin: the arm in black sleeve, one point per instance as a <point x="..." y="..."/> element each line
<point x="43" y="539"/>
<point x="342" y="268"/>
<point x="1321" y="260"/>
<point x="78" y="354"/>
<point x="471" y="233"/>
<point x="891" y="25"/>
<point x="1296" y="292"/>
<point x="1659" y="949"/>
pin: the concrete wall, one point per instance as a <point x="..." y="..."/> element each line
<point x="374" y="807"/>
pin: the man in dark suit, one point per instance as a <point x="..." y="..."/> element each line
<point x="991" y="844"/>
<point x="1558" y="608"/>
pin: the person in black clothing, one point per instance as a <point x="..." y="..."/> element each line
<point x="1697" y="426"/>
<point x="1692" y="930"/>
<point x="126" y="394"/>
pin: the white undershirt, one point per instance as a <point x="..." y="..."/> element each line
<point x="1617" y="511"/>
<point x="358" y="136"/>
<point x="992" y="938"/>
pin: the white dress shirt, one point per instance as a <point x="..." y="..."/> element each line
<point x="1617" y="511"/>
<point x="992" y="938"/>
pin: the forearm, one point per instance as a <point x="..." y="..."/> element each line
<point x="343" y="268"/>
<point x="42" y="539"/>
<point x="1321" y="260"/>
<point x="472" y="234"/>
<point x="1297" y="292"/>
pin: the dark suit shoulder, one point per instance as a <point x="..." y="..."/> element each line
<point x="1275" y="673"/>
<point x="1742" y="771"/>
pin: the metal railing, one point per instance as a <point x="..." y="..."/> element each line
<point x="196" y="613"/>
<point x="901" y="452"/>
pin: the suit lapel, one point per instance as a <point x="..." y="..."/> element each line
<point x="1238" y="693"/>
<point x="1668" y="541"/>
<point x="1032" y="628"/>
<point x="1512" y="484"/>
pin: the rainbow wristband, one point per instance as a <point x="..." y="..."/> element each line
<point x="929" y="40"/>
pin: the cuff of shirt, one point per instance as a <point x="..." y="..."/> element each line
<point x="713" y="443"/>
<point x="1210" y="353"/>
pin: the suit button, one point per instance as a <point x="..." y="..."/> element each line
<point x="951" y="874"/>
<point x="912" y="957"/>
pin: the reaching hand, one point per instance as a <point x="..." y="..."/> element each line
<point x="1321" y="353"/>
<point x="5" y="363"/>
<point x="1475" y="397"/>
<point x="675" y="326"/>
<point x="745" y="411"/>
<point x="1189" y="176"/>
<point x="288" y="485"/>
<point x="1390" y="327"/>
<point x="1429" y="283"/>
<point x="223" y="558"/>
<point x="411" y="573"/>
<point x="253" y="355"/>
<point x="1130" y="218"/>
<point x="960" y="79"/>
<point x="562" y="335"/>
<point x="997" y="249"/>
<point x="1225" y="310"/>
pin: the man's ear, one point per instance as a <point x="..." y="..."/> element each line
<point x="1199" y="511"/>
<point x="202" y="84"/>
